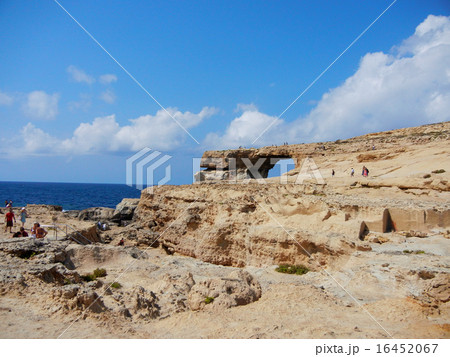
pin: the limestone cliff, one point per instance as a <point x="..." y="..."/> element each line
<point x="251" y="223"/>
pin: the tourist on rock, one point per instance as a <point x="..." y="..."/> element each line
<point x="332" y="173"/>
<point x="9" y="217"/>
<point x="21" y="233"/>
<point x="23" y="216"/>
<point x="365" y="171"/>
<point x="352" y="173"/>
<point x="33" y="230"/>
<point x="39" y="231"/>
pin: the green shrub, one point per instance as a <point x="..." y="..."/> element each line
<point x="88" y="277"/>
<point x="426" y="176"/>
<point x="99" y="273"/>
<point x="292" y="269"/>
<point x="116" y="285"/>
<point x="209" y="300"/>
<point x="440" y="171"/>
<point x="407" y="251"/>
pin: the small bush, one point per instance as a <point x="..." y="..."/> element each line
<point x="116" y="285"/>
<point x="407" y="251"/>
<point x="292" y="269"/>
<point x="426" y="176"/>
<point x="68" y="281"/>
<point x="440" y="171"/>
<point x="99" y="273"/>
<point x="88" y="277"/>
<point x="209" y="300"/>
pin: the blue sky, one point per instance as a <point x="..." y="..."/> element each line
<point x="223" y="69"/>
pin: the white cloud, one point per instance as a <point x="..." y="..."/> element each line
<point x="36" y="141"/>
<point x="6" y="99"/>
<point x="105" y="134"/>
<point x="84" y="103"/>
<point x="108" y="96"/>
<point x="408" y="87"/>
<point x="241" y="107"/>
<point x="244" y="129"/>
<point x="41" y="105"/>
<point x="78" y="75"/>
<point x="108" y="78"/>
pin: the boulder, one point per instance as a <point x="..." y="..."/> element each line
<point x="145" y="304"/>
<point x="240" y="288"/>
<point x="125" y="210"/>
<point x="43" y="209"/>
<point x="96" y="214"/>
<point x="172" y="293"/>
<point x="86" y="236"/>
<point x="52" y="273"/>
<point x="89" y="299"/>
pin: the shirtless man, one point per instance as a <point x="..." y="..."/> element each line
<point x="40" y="232"/>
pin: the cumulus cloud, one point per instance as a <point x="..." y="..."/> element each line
<point x="36" y="141"/>
<point x="241" y="107"/>
<point x="80" y="76"/>
<point x="41" y="105"/>
<point x="108" y="78"/>
<point x="105" y="134"/>
<point x="244" y="129"/>
<point x="108" y="96"/>
<point x="6" y="99"/>
<point x="408" y="86"/>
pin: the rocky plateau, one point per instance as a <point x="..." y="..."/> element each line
<point x="198" y="261"/>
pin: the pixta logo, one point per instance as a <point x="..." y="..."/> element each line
<point x="145" y="167"/>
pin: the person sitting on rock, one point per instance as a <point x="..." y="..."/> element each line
<point x="121" y="242"/>
<point x="33" y="229"/>
<point x="40" y="232"/>
<point x="21" y="233"/>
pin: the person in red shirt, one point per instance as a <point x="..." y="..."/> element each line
<point x="9" y="217"/>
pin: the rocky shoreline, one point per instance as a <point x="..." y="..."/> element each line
<point x="199" y="260"/>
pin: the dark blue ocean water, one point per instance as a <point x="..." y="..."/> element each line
<point x="71" y="196"/>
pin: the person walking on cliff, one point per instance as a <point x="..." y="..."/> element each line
<point x="365" y="171"/>
<point x="9" y="217"/>
<point x="23" y="216"/>
<point x="352" y="173"/>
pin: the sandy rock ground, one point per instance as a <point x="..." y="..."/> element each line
<point x="199" y="261"/>
<point x="381" y="292"/>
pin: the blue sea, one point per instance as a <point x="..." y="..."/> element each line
<point x="71" y="196"/>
